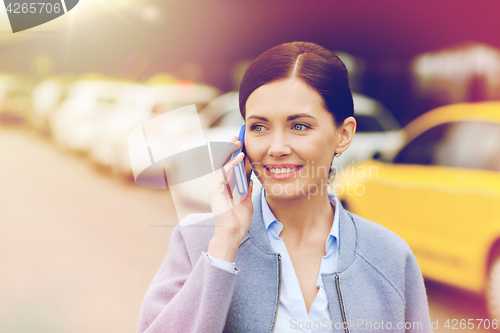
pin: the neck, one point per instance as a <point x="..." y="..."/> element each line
<point x="303" y="216"/>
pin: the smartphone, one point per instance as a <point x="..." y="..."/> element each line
<point x="240" y="177"/>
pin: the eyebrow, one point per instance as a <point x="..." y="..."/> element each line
<point x="289" y="118"/>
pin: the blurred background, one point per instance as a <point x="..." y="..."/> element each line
<point x="80" y="241"/>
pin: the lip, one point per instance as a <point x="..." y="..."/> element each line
<point x="282" y="165"/>
<point x="282" y="176"/>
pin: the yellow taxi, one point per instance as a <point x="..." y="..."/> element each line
<point x="441" y="193"/>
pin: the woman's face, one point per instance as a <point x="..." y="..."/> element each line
<point x="290" y="138"/>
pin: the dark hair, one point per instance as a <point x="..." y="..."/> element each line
<point x="318" y="67"/>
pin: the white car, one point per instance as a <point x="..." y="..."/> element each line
<point x="221" y="120"/>
<point x="133" y="106"/>
<point x="73" y="125"/>
<point x="14" y="99"/>
<point x="136" y="105"/>
<point x="377" y="131"/>
<point x="45" y="97"/>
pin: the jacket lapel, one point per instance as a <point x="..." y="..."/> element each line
<point x="348" y="242"/>
<point x="257" y="230"/>
<point x="256" y="292"/>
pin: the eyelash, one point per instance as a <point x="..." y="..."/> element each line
<point x="252" y="128"/>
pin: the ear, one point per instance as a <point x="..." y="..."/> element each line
<point x="346" y="134"/>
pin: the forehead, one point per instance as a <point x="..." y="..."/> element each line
<point x="284" y="97"/>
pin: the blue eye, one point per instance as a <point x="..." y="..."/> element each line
<point x="255" y="126"/>
<point x="298" y="129"/>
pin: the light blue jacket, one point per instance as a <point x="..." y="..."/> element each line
<point x="378" y="282"/>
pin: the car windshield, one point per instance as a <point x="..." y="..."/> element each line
<point x="472" y="145"/>
<point x="464" y="144"/>
<point x="365" y="123"/>
<point x="373" y="116"/>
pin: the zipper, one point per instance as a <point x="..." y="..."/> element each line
<point x="337" y="284"/>
<point x="279" y="293"/>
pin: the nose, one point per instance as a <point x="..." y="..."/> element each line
<point x="279" y="146"/>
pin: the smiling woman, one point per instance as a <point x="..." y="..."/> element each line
<point x="296" y="133"/>
<point x="290" y="257"/>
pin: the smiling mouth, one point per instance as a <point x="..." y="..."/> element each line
<point x="282" y="173"/>
<point x="278" y="171"/>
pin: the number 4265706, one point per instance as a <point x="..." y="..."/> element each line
<point x="471" y="324"/>
<point x="24" y="8"/>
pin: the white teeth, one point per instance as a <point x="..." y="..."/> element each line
<point x="283" y="170"/>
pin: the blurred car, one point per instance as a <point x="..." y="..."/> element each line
<point x="132" y="107"/>
<point x="45" y="97"/>
<point x="377" y="131"/>
<point x="135" y="105"/>
<point x="441" y="193"/>
<point x="14" y="99"/>
<point x="73" y="124"/>
<point x="223" y="111"/>
<point x="221" y="120"/>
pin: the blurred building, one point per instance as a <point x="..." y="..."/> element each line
<point x="467" y="72"/>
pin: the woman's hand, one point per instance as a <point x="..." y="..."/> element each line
<point x="232" y="219"/>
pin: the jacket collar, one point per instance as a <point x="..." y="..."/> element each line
<point x="347" y="232"/>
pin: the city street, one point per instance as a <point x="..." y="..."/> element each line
<point x="77" y="252"/>
<point x="79" y="248"/>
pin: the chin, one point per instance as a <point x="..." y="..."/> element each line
<point x="284" y="191"/>
<point x="293" y="190"/>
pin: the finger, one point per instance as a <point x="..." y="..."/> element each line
<point x="231" y="149"/>
<point x="228" y="169"/>
<point x="237" y="159"/>
<point x="247" y="200"/>
<point x="232" y="179"/>
<point x="226" y="180"/>
<point x="248" y="167"/>
<point x="235" y="140"/>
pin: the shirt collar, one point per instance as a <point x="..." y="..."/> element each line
<point x="274" y="226"/>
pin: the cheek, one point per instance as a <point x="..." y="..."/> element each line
<point x="255" y="156"/>
<point x="315" y="144"/>
<point x="319" y="149"/>
<point x="254" y="150"/>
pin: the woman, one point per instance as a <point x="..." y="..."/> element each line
<point x="290" y="258"/>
